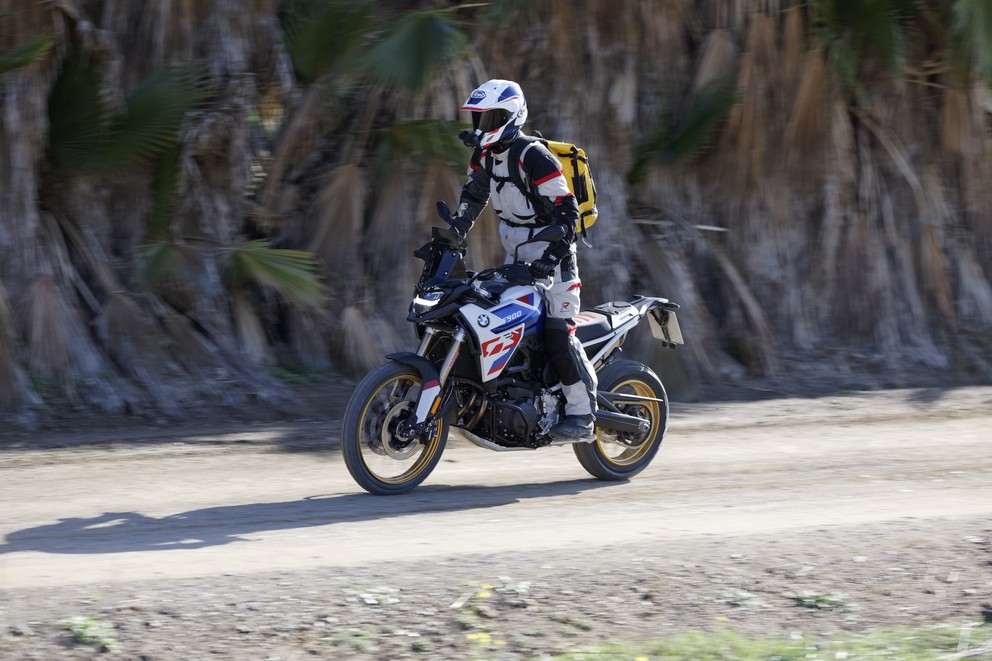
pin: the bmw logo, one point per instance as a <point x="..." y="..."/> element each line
<point x="483" y="320"/>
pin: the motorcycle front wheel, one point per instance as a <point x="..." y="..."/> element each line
<point x="622" y="455"/>
<point x="381" y="458"/>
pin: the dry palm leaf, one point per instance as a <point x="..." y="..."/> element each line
<point x="793" y="44"/>
<point x="14" y="387"/>
<point x="809" y="121"/>
<point x="337" y="220"/>
<point x="957" y="129"/>
<point x="365" y="339"/>
<point x="249" y="331"/>
<point x="975" y="299"/>
<point x="761" y="331"/>
<point x="132" y="343"/>
<point x="189" y="347"/>
<point x="45" y="326"/>
<point x="295" y="141"/>
<point x="718" y="60"/>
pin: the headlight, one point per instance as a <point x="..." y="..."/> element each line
<point x="424" y="301"/>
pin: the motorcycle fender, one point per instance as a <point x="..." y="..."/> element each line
<point x="430" y="394"/>
<point x="665" y="326"/>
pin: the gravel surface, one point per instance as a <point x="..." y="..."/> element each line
<point x="817" y="581"/>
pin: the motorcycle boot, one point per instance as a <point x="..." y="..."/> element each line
<point x="578" y="380"/>
<point x="574" y="428"/>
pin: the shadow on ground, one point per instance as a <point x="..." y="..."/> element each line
<point x="123" y="532"/>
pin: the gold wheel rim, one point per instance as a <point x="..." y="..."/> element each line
<point x="617" y="453"/>
<point x="398" y="391"/>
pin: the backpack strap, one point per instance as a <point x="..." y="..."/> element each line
<point x="514" y="154"/>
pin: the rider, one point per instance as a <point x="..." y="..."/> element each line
<point x="499" y="110"/>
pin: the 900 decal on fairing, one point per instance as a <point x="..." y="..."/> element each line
<point x="481" y="367"/>
<point x="498" y="331"/>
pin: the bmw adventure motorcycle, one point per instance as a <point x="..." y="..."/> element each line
<point x="481" y="367"/>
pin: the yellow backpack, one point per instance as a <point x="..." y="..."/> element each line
<point x="575" y="167"/>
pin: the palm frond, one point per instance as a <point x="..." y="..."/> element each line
<point x="165" y="194"/>
<point x="154" y="113"/>
<point x="972" y="29"/>
<point x="31" y="50"/>
<point x="167" y="261"/>
<point x="176" y="272"/>
<point x="423" y="141"/>
<point x="86" y="136"/>
<point x="292" y="273"/>
<point x="321" y="36"/>
<point x="77" y="114"/>
<point x="692" y="133"/>
<point x="500" y="16"/>
<point x="412" y="49"/>
<point x="852" y="30"/>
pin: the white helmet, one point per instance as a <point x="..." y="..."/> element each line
<point x="498" y="111"/>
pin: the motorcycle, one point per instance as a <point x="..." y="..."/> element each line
<point x="481" y="367"/>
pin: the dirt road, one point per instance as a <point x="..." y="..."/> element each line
<point x="196" y="511"/>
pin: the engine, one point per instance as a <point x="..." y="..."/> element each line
<point x="512" y="422"/>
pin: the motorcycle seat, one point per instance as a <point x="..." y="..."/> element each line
<point x="597" y="322"/>
<point x="590" y="325"/>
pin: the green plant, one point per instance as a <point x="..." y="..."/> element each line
<point x="92" y="632"/>
<point x="850" y="32"/>
<point x="742" y="599"/>
<point x="971" y="41"/>
<point x="922" y="644"/>
<point x="423" y="141"/>
<point x="48" y="389"/>
<point x="300" y="375"/>
<point x="33" y="49"/>
<point x="820" y="600"/>
<point x="86" y="135"/>
<point x="292" y="273"/>
<point x="413" y="48"/>
<point x="359" y="40"/>
<point x="690" y="134"/>
<point x="324" y="36"/>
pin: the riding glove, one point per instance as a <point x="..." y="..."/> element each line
<point x="543" y="268"/>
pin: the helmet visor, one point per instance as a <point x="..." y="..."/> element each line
<point x="490" y="120"/>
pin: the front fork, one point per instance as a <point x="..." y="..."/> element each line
<point x="431" y="394"/>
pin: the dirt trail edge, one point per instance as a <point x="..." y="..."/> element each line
<point x="251" y="541"/>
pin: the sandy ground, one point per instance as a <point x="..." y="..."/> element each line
<point x="250" y="541"/>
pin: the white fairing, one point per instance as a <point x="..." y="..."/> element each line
<point x="501" y="328"/>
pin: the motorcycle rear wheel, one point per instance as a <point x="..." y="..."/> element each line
<point x="615" y="456"/>
<point x="380" y="459"/>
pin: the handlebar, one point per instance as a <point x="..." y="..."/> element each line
<point x="517" y="273"/>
